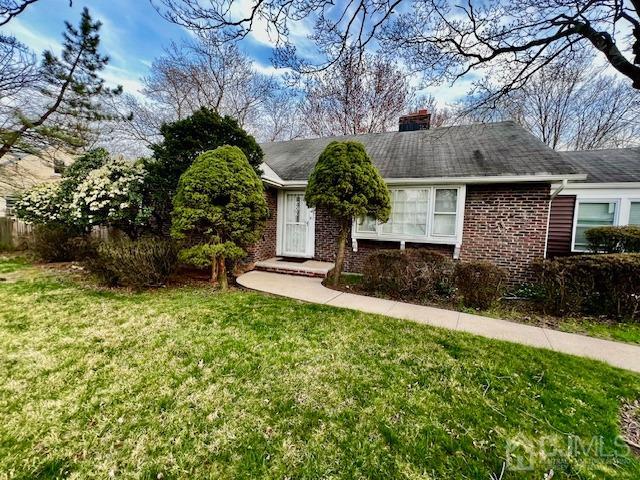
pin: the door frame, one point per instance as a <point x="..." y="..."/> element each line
<point x="280" y="230"/>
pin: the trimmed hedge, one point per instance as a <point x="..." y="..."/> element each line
<point x="595" y="284"/>
<point x="480" y="283"/>
<point x="147" y="262"/>
<point x="411" y="273"/>
<point x="614" y="239"/>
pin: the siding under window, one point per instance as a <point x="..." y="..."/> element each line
<point x="560" y="225"/>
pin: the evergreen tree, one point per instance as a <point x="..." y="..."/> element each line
<point x="219" y="209"/>
<point x="183" y="141"/>
<point x="69" y="96"/>
<point x="345" y="182"/>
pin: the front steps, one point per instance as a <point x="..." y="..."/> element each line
<point x="301" y="267"/>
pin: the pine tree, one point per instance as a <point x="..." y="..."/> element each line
<point x="68" y="98"/>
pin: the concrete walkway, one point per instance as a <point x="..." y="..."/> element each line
<point x="311" y="290"/>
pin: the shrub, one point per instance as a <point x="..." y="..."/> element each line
<point x="606" y="284"/>
<point x="56" y="243"/>
<point x="347" y="184"/>
<point x="409" y="273"/>
<point x="146" y="262"/>
<point x="614" y="239"/>
<point x="219" y="209"/>
<point x="112" y="195"/>
<point x="480" y="283"/>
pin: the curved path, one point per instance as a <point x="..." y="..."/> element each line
<point x="309" y="289"/>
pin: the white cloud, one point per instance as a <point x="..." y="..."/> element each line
<point x="115" y="76"/>
<point x="34" y="40"/>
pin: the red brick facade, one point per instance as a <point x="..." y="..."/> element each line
<point x="266" y="247"/>
<point x="506" y="225"/>
<point x="327" y="235"/>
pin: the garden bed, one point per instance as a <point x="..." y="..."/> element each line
<point x="517" y="310"/>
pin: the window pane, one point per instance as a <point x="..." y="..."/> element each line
<point x="596" y="213"/>
<point x="592" y="215"/>
<point x="409" y="210"/>
<point x="446" y="200"/>
<point x="634" y="214"/>
<point x="366" y="224"/>
<point x="444" y="224"/>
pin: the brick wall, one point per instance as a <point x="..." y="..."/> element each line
<point x="506" y="225"/>
<point x="266" y="246"/>
<point x="327" y="235"/>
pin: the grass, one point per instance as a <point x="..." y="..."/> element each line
<point x="12" y="263"/>
<point x="191" y="383"/>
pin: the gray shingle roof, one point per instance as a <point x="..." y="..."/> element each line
<point x="493" y="149"/>
<point x="604" y="166"/>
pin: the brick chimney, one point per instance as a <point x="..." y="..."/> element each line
<point x="420" y="120"/>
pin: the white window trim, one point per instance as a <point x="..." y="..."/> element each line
<point x="455" y="239"/>
<point x="616" y="217"/>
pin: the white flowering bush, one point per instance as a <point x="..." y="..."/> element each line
<point x="112" y="195"/>
<point x="42" y="205"/>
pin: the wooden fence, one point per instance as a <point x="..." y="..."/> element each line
<point x="13" y="231"/>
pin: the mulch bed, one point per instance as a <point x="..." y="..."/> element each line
<point x="630" y="424"/>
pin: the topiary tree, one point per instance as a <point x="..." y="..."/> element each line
<point x="219" y="209"/>
<point x="345" y="182"/>
<point x="183" y="141"/>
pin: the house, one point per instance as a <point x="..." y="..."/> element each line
<point x="476" y="192"/>
<point x="21" y="171"/>
<point x="610" y="195"/>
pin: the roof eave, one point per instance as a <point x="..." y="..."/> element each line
<point x="275" y="180"/>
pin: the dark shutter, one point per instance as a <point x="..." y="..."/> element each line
<point x="561" y="225"/>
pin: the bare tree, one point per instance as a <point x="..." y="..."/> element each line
<point x="206" y="73"/>
<point x="443" y="40"/>
<point x="17" y="67"/>
<point x="358" y="94"/>
<point x="10" y="9"/>
<point x="281" y="117"/>
<point x="59" y="110"/>
<point x="568" y="107"/>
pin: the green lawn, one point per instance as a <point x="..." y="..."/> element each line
<point x="12" y="263"/>
<point x="190" y="383"/>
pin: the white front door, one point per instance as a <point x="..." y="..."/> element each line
<point x="298" y="225"/>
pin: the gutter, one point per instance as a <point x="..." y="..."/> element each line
<point x="271" y="178"/>
<point x="561" y="187"/>
<point x="553" y="195"/>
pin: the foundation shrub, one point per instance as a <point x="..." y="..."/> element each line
<point x="412" y="273"/>
<point x="607" y="284"/>
<point x="479" y="283"/>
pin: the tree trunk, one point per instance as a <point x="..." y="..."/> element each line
<point x="214" y="271"/>
<point x="222" y="274"/>
<point x="341" y="245"/>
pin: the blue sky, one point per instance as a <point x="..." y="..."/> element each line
<point x="133" y="34"/>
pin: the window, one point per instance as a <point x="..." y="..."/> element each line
<point x="418" y="214"/>
<point x="592" y="214"/>
<point x="409" y="212"/>
<point x="10" y="205"/>
<point x="366" y="225"/>
<point x="634" y="213"/>
<point x="444" y="215"/>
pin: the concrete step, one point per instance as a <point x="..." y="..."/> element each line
<point x="305" y="268"/>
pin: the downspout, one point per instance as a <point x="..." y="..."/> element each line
<point x="553" y="195"/>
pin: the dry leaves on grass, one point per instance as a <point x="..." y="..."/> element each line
<point x="630" y="420"/>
